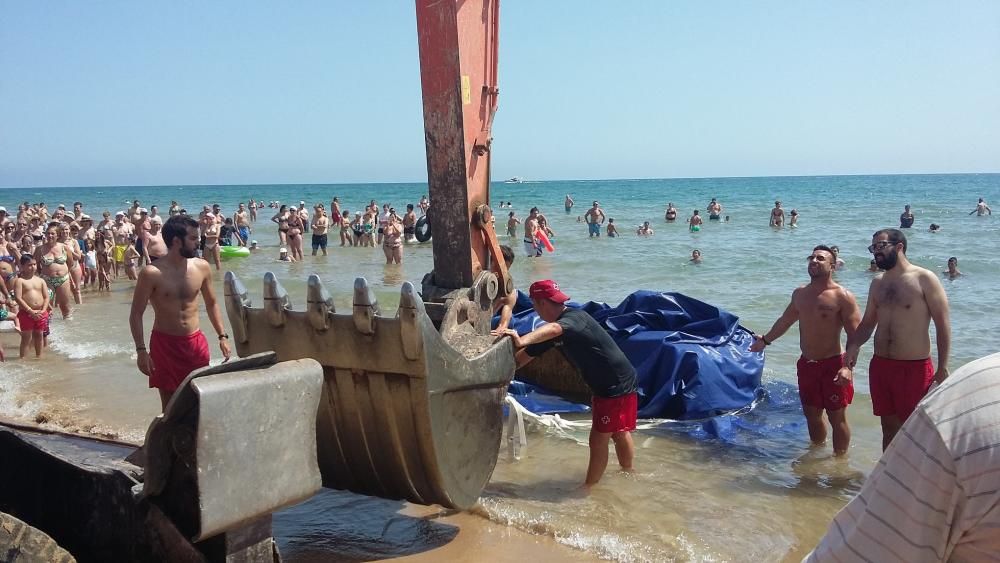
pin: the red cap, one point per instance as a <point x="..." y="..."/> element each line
<point x="547" y="289"/>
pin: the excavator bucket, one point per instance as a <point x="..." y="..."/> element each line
<point x="404" y="414"/>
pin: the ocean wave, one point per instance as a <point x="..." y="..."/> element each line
<point x="14" y="403"/>
<point x="74" y="347"/>
<point x="605" y="545"/>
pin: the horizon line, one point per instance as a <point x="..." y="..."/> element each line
<point x="523" y="180"/>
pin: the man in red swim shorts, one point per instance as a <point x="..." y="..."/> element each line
<point x="599" y="360"/>
<point x="901" y="304"/>
<point x="823" y="309"/>
<point x="177" y="346"/>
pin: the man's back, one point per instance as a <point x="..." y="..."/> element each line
<point x="933" y="496"/>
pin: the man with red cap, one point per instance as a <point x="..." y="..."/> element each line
<point x="599" y="360"/>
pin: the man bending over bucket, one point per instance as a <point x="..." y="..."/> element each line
<point x="823" y="309"/>
<point x="599" y="360"/>
<point x="176" y="346"/>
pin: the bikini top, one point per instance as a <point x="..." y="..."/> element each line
<point x="54" y="260"/>
<point x="9" y="259"/>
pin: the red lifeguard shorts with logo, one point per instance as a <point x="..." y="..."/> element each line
<point x="898" y="385"/>
<point x="174" y="357"/>
<point x="615" y="414"/>
<point x="816" y="386"/>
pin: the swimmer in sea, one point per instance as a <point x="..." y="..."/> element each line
<point x="838" y="263"/>
<point x="671" y="215"/>
<point x="644" y="230"/>
<point x="777" y="215"/>
<point x="953" y="271"/>
<point x="714" y="210"/>
<point x="512" y="223"/>
<point x="695" y="256"/>
<point x="934" y="228"/>
<point x="873" y="267"/>
<point x="594" y="218"/>
<point x="981" y="209"/>
<point x="612" y="229"/>
<point x="793" y="220"/>
<point x="695" y="222"/>
<point x="906" y="218"/>
<point x="569" y="204"/>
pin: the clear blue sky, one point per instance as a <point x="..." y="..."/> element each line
<point x="127" y="93"/>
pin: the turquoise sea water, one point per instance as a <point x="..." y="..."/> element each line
<point x="777" y="495"/>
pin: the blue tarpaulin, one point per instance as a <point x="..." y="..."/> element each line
<point x="691" y="358"/>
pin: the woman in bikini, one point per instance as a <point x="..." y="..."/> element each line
<point x="212" y="252"/>
<point x="54" y="263"/>
<point x="296" y="226"/>
<point x="76" y="255"/>
<point x="8" y="259"/>
<point x="358" y="228"/>
<point x="392" y="241"/>
<point x="281" y="218"/>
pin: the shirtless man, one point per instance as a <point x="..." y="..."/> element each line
<point x="176" y="346"/>
<point x="823" y="309"/>
<point x="714" y="210"/>
<point x="242" y="221"/>
<point x="425" y="204"/>
<point x="121" y="231"/>
<point x="981" y="209"/>
<point x="906" y="218"/>
<point x="901" y="304"/>
<point x="504" y="304"/>
<point x="695" y="222"/>
<point x="595" y="218"/>
<point x="568" y="203"/>
<point x="32" y="296"/>
<point x="777" y="215"/>
<point x="645" y="230"/>
<point x="530" y="226"/>
<point x="320" y="226"/>
<point x="671" y="215"/>
<point x="153" y="247"/>
<point x="953" y="271"/>
<point x="409" y="224"/>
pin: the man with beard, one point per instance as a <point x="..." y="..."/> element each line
<point x="822" y="308"/>
<point x="176" y="346"/>
<point x="901" y="304"/>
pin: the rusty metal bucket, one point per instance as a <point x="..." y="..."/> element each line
<point x="403" y="413"/>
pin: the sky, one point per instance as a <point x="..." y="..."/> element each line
<point x="245" y="92"/>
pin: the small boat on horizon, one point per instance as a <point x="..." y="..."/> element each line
<point x="514" y="180"/>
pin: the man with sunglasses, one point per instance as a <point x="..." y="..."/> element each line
<point x="823" y="309"/>
<point x="901" y="304"/>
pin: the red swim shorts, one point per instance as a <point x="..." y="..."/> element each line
<point x="615" y="414"/>
<point x="28" y="324"/>
<point x="816" y="386"/>
<point x="174" y="357"/>
<point x="898" y="385"/>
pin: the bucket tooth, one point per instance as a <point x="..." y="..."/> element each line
<point x="276" y="300"/>
<point x="411" y="306"/>
<point x="319" y="304"/>
<point x="365" y="307"/>
<point x="237" y="303"/>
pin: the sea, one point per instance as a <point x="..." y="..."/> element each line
<point x="745" y="487"/>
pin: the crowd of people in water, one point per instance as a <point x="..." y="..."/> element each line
<point x="64" y="253"/>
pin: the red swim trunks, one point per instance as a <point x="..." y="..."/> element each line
<point x="174" y="357"/>
<point x="28" y="324"/>
<point x="898" y="385"/>
<point x="615" y="414"/>
<point x="816" y="386"/>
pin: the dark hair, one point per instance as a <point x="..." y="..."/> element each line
<point x="409" y="207"/>
<point x="25" y="258"/>
<point x="825" y="248"/>
<point x="177" y="227"/>
<point x="896" y="236"/>
<point x="511" y="214"/>
<point x="507" y="253"/>
<point x="533" y="210"/>
<point x="953" y="259"/>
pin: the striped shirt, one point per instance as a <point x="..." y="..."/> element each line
<point x="935" y="494"/>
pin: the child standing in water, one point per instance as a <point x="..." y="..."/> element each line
<point x="612" y="229"/>
<point x="32" y="297"/>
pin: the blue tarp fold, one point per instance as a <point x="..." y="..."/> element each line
<point x="691" y="357"/>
